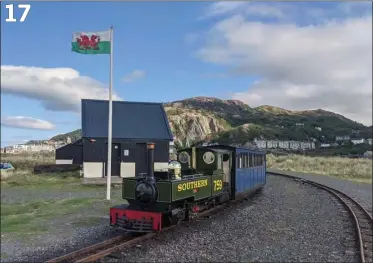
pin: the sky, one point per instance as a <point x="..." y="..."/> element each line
<point x="293" y="55"/>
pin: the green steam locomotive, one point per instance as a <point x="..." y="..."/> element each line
<point x="200" y="179"/>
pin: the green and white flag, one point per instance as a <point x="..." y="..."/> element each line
<point x="91" y="42"/>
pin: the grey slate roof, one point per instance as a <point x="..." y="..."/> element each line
<point x="131" y="120"/>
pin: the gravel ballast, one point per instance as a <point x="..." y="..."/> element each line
<point x="361" y="192"/>
<point x="289" y="221"/>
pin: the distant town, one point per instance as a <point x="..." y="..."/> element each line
<point x="301" y="145"/>
<point x="51" y="145"/>
<point x="41" y="146"/>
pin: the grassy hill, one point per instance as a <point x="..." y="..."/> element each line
<point x="232" y="121"/>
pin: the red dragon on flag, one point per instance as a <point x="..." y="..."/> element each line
<point x="85" y="42"/>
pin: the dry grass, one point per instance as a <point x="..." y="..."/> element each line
<point x="26" y="162"/>
<point x="37" y="212"/>
<point x="24" y="165"/>
<point x="353" y="169"/>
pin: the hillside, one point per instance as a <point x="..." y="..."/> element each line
<point x="74" y="135"/>
<point x="232" y="121"/>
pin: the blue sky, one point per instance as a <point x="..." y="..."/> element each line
<point x="170" y="43"/>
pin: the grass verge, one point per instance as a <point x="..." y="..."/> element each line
<point x="22" y="175"/>
<point x="33" y="217"/>
<point x="26" y="178"/>
<point x="358" y="170"/>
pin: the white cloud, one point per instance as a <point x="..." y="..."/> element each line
<point x="134" y="76"/>
<point x="327" y="65"/>
<point x="222" y="8"/>
<point x="286" y="11"/>
<point x="264" y="10"/>
<point x="26" y="123"/>
<point x="58" y="89"/>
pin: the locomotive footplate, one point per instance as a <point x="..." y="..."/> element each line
<point x="124" y="217"/>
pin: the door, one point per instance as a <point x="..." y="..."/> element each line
<point x="141" y="158"/>
<point x="115" y="159"/>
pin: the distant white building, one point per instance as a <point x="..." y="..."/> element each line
<point x="318" y="128"/>
<point x="41" y="148"/>
<point x="358" y="141"/>
<point x="283" y="144"/>
<point x="294" y="145"/>
<point x="325" y="145"/>
<point x="343" y="138"/>
<point x="272" y="144"/>
<point x="262" y="144"/>
<point x="21" y="147"/>
<point x="305" y="145"/>
<point x="369" y="141"/>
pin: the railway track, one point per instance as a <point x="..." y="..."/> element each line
<point x="362" y="219"/>
<point x="110" y="246"/>
<point x="363" y="223"/>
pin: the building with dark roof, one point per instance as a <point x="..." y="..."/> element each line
<point x="134" y="124"/>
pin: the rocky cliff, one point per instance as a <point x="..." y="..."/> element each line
<point x="190" y="125"/>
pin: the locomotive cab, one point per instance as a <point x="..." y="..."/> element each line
<point x="207" y="161"/>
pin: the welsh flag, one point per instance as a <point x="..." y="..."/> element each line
<point x="91" y="42"/>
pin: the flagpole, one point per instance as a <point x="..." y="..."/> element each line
<point x="109" y="140"/>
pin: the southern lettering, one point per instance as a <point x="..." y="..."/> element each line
<point x="191" y="185"/>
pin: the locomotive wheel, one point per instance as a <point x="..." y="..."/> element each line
<point x="166" y="220"/>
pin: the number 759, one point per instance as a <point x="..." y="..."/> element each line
<point x="218" y="185"/>
<point x="11" y="13"/>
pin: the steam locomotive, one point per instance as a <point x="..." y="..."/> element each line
<point x="201" y="178"/>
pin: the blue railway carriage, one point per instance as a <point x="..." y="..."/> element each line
<point x="245" y="170"/>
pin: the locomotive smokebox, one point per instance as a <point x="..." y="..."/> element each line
<point x="150" y="172"/>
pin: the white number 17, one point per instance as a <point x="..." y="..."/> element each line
<point x="11" y="13"/>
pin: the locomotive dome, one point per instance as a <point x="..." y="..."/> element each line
<point x="174" y="167"/>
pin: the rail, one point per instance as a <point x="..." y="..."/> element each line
<point x="110" y="246"/>
<point x="363" y="223"/>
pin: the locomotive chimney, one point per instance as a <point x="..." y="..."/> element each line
<point x="150" y="174"/>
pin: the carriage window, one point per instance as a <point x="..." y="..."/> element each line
<point x="255" y="160"/>
<point x="259" y="160"/>
<point x="247" y="160"/>
<point x="244" y="160"/>
<point x="239" y="160"/>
